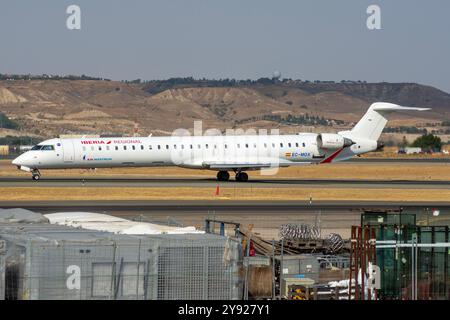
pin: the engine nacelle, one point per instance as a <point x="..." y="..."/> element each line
<point x="333" y="141"/>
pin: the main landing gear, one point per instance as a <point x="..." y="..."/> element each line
<point x="35" y="175"/>
<point x="241" y="177"/>
<point x="225" y="176"/>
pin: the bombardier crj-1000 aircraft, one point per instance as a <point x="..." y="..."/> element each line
<point x="238" y="153"/>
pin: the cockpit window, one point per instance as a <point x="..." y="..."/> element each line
<point x="40" y="147"/>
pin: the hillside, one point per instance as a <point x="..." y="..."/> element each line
<point x="48" y="108"/>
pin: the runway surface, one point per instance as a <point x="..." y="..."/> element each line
<point x="267" y="207"/>
<point x="211" y="182"/>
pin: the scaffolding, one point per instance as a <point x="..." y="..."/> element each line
<point x="362" y="260"/>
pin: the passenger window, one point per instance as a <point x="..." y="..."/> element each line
<point x="281" y="145"/>
<point x="99" y="148"/>
<point x="254" y="145"/>
<point x="304" y="145"/>
<point x="133" y="147"/>
<point x="273" y="145"/>
<point x="142" y="147"/>
<point x="265" y="145"/>
<point x="182" y="146"/>
<point x="289" y="144"/>
<point x="192" y="146"/>
<point x="206" y="146"/>
<point x="246" y="145"/>
<point x="199" y="146"/>
<point x="167" y="146"/>
<point x="296" y="144"/>
<point x="124" y="147"/>
<point x="239" y="145"/>
<point x="159" y="147"/>
<point x="117" y="147"/>
<point x="150" y="147"/>
<point x="174" y="146"/>
<point x="226" y="147"/>
<point x="215" y="146"/>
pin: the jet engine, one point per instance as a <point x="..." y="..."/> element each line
<point x="333" y="141"/>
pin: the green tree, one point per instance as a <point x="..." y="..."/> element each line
<point x="404" y="143"/>
<point x="428" y="142"/>
<point x="7" y="123"/>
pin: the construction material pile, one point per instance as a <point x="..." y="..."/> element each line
<point x="296" y="239"/>
<point x="334" y="242"/>
<point x="267" y="248"/>
<point x="301" y="232"/>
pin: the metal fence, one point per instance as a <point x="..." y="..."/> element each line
<point x="2" y="269"/>
<point x="53" y="262"/>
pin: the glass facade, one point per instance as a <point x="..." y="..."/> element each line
<point x="397" y="263"/>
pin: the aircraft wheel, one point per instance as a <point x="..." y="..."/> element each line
<point x="35" y="177"/>
<point x="242" y="177"/>
<point x="223" y="176"/>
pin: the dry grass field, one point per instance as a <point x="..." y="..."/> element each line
<point x="370" y="171"/>
<point x="188" y="193"/>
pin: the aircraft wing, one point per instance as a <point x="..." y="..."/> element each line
<point x="241" y="165"/>
<point x="250" y="164"/>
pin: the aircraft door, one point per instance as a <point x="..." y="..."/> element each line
<point x="68" y="150"/>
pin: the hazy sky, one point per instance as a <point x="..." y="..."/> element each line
<point x="310" y="39"/>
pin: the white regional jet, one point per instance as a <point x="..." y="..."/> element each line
<point x="238" y="153"/>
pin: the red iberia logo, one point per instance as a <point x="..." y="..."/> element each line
<point x="95" y="142"/>
<point x="121" y="141"/>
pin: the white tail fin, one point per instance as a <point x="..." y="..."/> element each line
<point x="373" y="122"/>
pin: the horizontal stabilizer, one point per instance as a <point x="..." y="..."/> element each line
<point x="386" y="107"/>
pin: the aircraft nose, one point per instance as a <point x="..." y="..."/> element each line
<point x="19" y="161"/>
<point x="16" y="161"/>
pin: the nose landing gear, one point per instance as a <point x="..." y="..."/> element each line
<point x="35" y="175"/>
